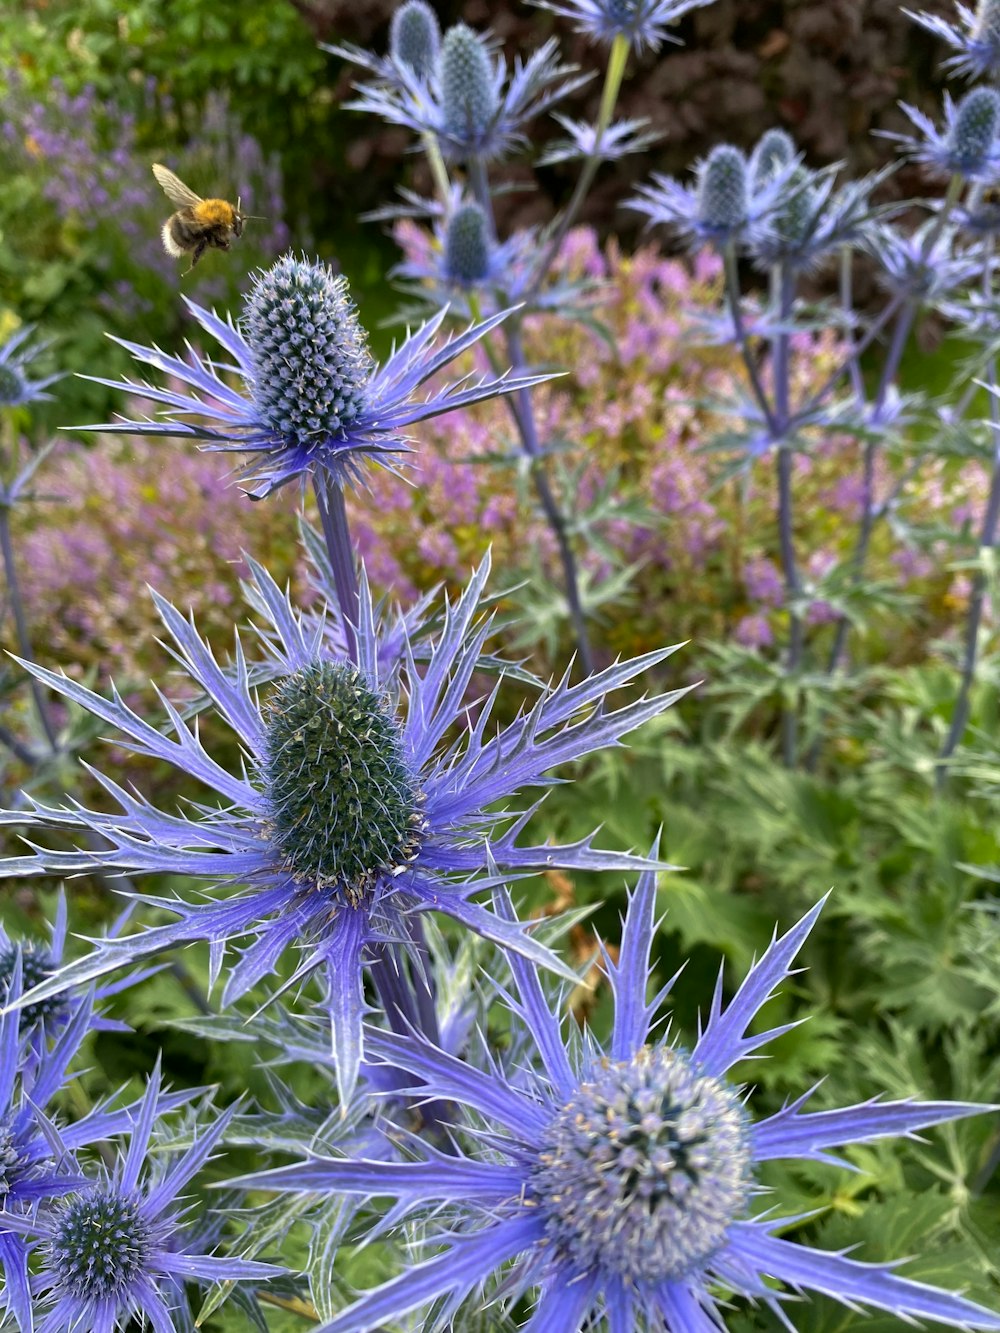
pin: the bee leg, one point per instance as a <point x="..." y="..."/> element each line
<point x="197" y="253"/>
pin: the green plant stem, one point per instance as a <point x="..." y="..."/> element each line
<point x="439" y="171"/>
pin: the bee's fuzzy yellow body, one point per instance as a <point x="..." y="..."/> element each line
<point x="198" y="223"/>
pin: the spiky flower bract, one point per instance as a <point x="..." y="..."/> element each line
<point x="364" y="798"/>
<point x="316" y="402"/>
<point x="619" y="1182"/>
<point x="38" y="1164"/>
<point x="815" y="218"/>
<point x="967" y="146"/>
<point x="415" y="37"/>
<point x="975" y="38"/>
<point x="587" y="140"/>
<point x="643" y="23"/>
<point x="17" y="388"/>
<point x="118" y="1250"/>
<point x="470" y="104"/>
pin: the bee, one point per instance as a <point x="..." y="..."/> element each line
<point x="198" y="223"/>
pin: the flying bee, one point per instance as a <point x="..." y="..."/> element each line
<point x="198" y="223"/>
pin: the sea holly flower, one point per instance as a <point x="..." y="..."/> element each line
<point x="364" y="798"/>
<point x="414" y="43"/>
<point x="119" y="1249"/>
<point x="722" y="208"/>
<point x="619" y="1181"/>
<point x="472" y="105"/>
<point x="975" y="38"/>
<point x="816" y="219"/>
<point x="37" y="1155"/>
<point x="315" y="400"/>
<point x="968" y="145"/>
<point x="641" y="22"/>
<point x="586" y="140"/>
<point x="16" y="386"/>
<point x="924" y="263"/>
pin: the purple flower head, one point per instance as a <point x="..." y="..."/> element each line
<point x="415" y="37"/>
<point x="968" y="145"/>
<point x="726" y="205"/>
<point x="317" y="401"/>
<point x="911" y="267"/>
<point x="16" y="387"/>
<point x="641" y="22"/>
<point x="620" y="1181"/>
<point x="364" y="797"/>
<point x="975" y="38"/>
<point x="470" y="104"/>
<point x="118" y="1249"/>
<point x="619" y="139"/>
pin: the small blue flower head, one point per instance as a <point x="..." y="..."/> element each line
<point x="729" y="200"/>
<point x="975" y="38"/>
<point x="16" y="386"/>
<point x="118" y="1250"/>
<point x="616" y="141"/>
<point x="775" y="150"/>
<point x="415" y="37"/>
<point x="37" y="965"/>
<point x="469" y="93"/>
<point x="467" y="247"/>
<point x="642" y="23"/>
<point x="967" y="146"/>
<point x="470" y="105"/>
<point x="813" y="218"/>
<point x="924" y="263"/>
<point x="311" y="363"/>
<point x="618" y="1183"/>
<point x="317" y="402"/>
<point x="365" y="796"/>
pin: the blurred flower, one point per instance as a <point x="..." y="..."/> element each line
<point x="619" y="139"/>
<point x="119" y="1249"/>
<point x="968" y="144"/>
<point x="619" y="1180"/>
<point x="924" y="263"/>
<point x="641" y="22"/>
<point x="16" y="388"/>
<point x="329" y="854"/>
<point x="317" y="400"/>
<point x="975" y="38"/>
<point x="415" y="37"/>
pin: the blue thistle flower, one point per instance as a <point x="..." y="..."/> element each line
<point x="617" y="140"/>
<point x="467" y="259"/>
<point x="415" y="37"/>
<point x="816" y="218"/>
<point x="909" y="267"/>
<point x="37" y="1155"/>
<point x="967" y="146"/>
<point x="641" y="22"/>
<point x="775" y="150"/>
<point x="119" y="1250"/>
<point x="975" y="38"/>
<point x="317" y="402"/>
<point x="722" y="208"/>
<point x="470" y="105"/>
<point x="356" y="808"/>
<point x="16" y="386"/>
<point x="619" y="1181"/>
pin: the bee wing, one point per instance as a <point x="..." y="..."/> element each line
<point x="174" y="188"/>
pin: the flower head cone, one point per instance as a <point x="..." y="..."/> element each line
<point x="17" y="388"/>
<point x="117" y="1248"/>
<point x="472" y="104"/>
<point x="618" y="1182"/>
<point x="643" y="23"/>
<point x="975" y="38"/>
<point x="353" y="807"/>
<point x="414" y="43"/>
<point x="313" y="399"/>
<point x="967" y="145"/>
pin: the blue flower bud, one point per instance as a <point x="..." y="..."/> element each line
<point x="467" y="246"/>
<point x="100" y="1245"/>
<point x="644" y="1169"/>
<point x="311" y="362"/>
<point x="974" y="130"/>
<point x="468" y="94"/>
<point x="37" y="965"/>
<point x="723" y="202"/>
<point x="774" y="150"/>
<point x="986" y="27"/>
<point x="343" y="804"/>
<point x="415" y="36"/>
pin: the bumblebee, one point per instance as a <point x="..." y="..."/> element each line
<point x="198" y="223"/>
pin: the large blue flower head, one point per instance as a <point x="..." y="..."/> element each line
<point x="317" y="402"/>
<point x="16" y="385"/>
<point x="967" y="146"/>
<point x="363" y="798"/>
<point x="116" y="1248"/>
<point x="472" y="105"/>
<point x="641" y="23"/>
<point x="620" y="1182"/>
<point x="975" y="39"/>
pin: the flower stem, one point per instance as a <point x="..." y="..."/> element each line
<point x="337" y="534"/>
<point x="439" y="171"/>
<point x="21" y="628"/>
<point x="732" y="292"/>
<point x="609" y="96"/>
<point x="784" y="294"/>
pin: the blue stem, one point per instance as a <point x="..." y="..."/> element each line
<point x="337" y="534"/>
